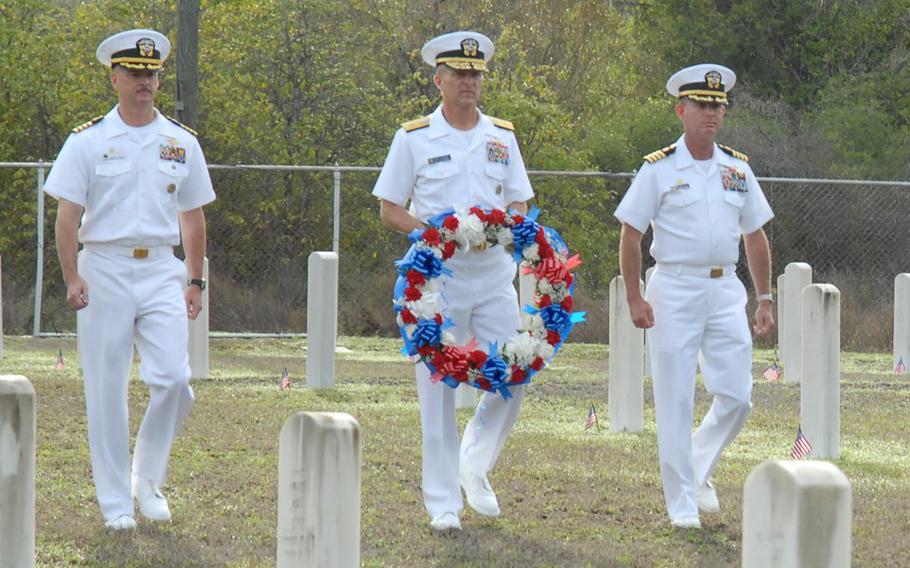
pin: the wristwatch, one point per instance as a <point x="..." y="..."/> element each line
<point x="198" y="282"/>
<point x="762" y="297"/>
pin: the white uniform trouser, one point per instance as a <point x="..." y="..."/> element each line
<point x="141" y="302"/>
<point x="482" y="301"/>
<point x="697" y="320"/>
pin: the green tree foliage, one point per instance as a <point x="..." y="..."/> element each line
<point x="824" y="90"/>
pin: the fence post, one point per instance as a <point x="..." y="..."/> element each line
<point x="336" y="208"/>
<point x="39" y="258"/>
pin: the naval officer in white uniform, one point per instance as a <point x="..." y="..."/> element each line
<point x="456" y="158"/>
<point x="700" y="198"/>
<point x="137" y="181"/>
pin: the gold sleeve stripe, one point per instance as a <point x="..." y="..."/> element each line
<point x="416" y="124"/>
<point x="88" y="124"/>
<point x="181" y="125"/>
<point x="504" y="124"/>
<point x="734" y="153"/>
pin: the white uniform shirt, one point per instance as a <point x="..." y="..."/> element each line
<point x="131" y="189"/>
<point x="436" y="170"/>
<point x="697" y="221"/>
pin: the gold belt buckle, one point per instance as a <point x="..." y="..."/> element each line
<point x="717" y="272"/>
<point x="140" y="252"/>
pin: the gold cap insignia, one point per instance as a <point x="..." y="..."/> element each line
<point x="469" y="47"/>
<point x="712" y="79"/>
<point x="146" y="47"/>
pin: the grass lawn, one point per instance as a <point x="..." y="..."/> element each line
<point x="569" y="497"/>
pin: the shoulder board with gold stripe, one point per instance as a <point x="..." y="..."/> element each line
<point x="660" y="154"/>
<point x="181" y="125"/>
<point x="416" y="124"/>
<point x="88" y="124"/>
<point x="734" y="153"/>
<point x="504" y="124"/>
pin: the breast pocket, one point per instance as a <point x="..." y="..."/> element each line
<point x="680" y="198"/>
<point x="436" y="179"/>
<point x="171" y="176"/>
<point x="109" y="175"/>
<point x="735" y="199"/>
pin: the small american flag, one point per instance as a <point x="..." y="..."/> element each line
<point x="900" y="368"/>
<point x="801" y="447"/>
<point x="285" y="382"/>
<point x="772" y="373"/>
<point x="58" y="364"/>
<point x="591" y="420"/>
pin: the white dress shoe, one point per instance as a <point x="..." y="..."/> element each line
<point x="152" y="503"/>
<point x="121" y="523"/>
<point x="446" y="522"/>
<point x="479" y="492"/>
<point x="686" y="523"/>
<point x="707" y="498"/>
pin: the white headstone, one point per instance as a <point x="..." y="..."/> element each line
<point x="820" y="389"/>
<point x="798" y="276"/>
<point x="797" y="515"/>
<point x="17" y="472"/>
<point x="319" y="491"/>
<point x="1" y="309"/>
<point x="901" y="320"/>
<point x="526" y="287"/>
<point x="781" y="317"/>
<point x="626" y="390"/>
<point x="647" y="364"/>
<point x="321" y="319"/>
<point x="198" y="345"/>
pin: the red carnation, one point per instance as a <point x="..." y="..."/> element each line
<point x="518" y="374"/>
<point x="541" y="237"/>
<point x="408" y="317"/>
<point x="518" y="219"/>
<point x="439" y="360"/>
<point x="415" y="278"/>
<point x="479" y="212"/>
<point x="545" y="251"/>
<point x="460" y="376"/>
<point x="544" y="301"/>
<point x="438" y="319"/>
<point x="412" y="294"/>
<point x="431" y="237"/>
<point x="536" y="364"/>
<point x="448" y="249"/>
<point x="567" y="304"/>
<point x="553" y="337"/>
<point x="450" y="223"/>
<point x="477" y="358"/>
<point x="484" y="383"/>
<point x="569" y="278"/>
<point x="426" y="350"/>
<point x="497" y="217"/>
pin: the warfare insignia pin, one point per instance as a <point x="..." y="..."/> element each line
<point x="469" y="47"/>
<point x="146" y="47"/>
<point x="712" y="78"/>
<point x="680" y="184"/>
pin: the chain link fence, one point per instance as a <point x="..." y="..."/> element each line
<point x="268" y="219"/>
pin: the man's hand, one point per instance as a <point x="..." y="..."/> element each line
<point x="77" y="293"/>
<point x="642" y="314"/>
<point x="764" y="319"/>
<point x="193" y="296"/>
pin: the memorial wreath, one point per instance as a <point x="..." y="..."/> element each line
<point x="423" y="323"/>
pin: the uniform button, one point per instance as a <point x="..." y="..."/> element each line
<point x="498" y="189"/>
<point x="173" y="167"/>
<point x="171" y="188"/>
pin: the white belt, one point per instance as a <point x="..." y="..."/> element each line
<point x="702" y="271"/>
<point x="134" y="252"/>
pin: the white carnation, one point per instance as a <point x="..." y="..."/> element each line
<point x="448" y="338"/>
<point x="520" y="350"/>
<point x="470" y="231"/>
<point x="504" y="236"/>
<point x="545" y="350"/>
<point x="531" y="253"/>
<point x="426" y="307"/>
